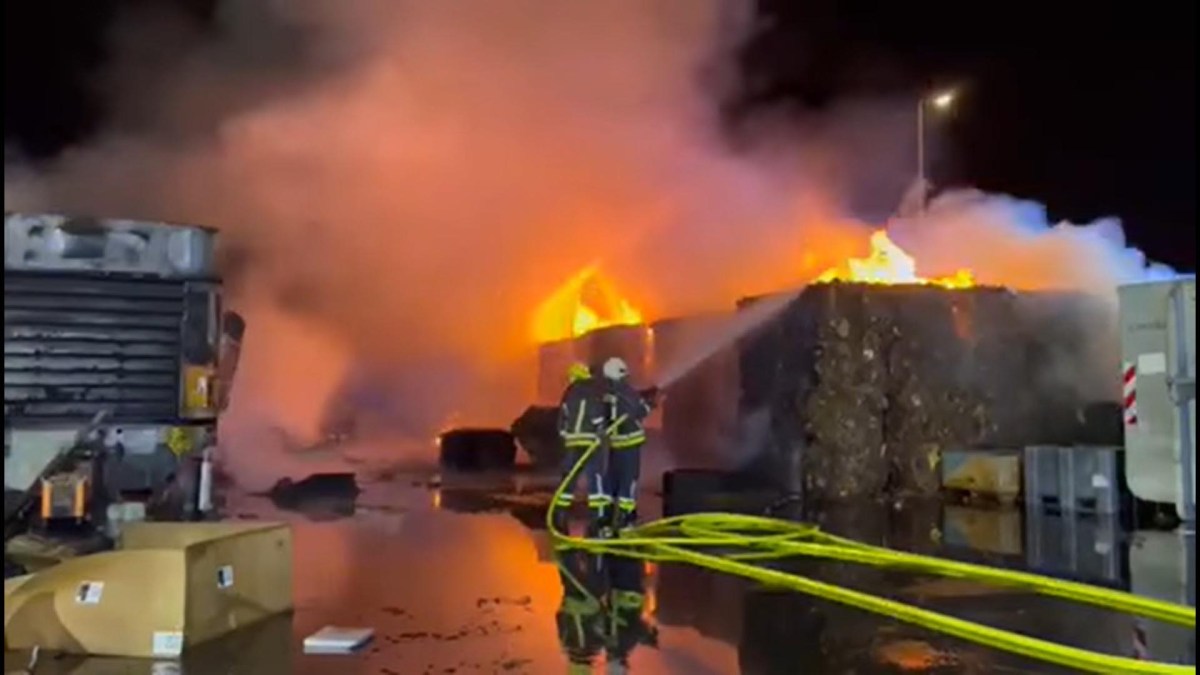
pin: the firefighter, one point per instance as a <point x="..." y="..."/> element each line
<point x="581" y="619"/>
<point x="579" y="426"/>
<point x="625" y="439"/>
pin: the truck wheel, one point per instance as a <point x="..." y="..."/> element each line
<point x="477" y="449"/>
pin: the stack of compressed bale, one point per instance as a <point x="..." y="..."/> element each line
<point x="867" y="385"/>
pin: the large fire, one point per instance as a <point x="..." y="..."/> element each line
<point x="589" y="301"/>
<point x="584" y="303"/>
<point x="887" y="263"/>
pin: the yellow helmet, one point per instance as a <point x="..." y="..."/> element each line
<point x="577" y="372"/>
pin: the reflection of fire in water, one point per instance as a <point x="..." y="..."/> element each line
<point x="650" y="609"/>
<point x="887" y="263"/>
<point x="584" y="303"/>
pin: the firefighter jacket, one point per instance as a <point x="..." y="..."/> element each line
<point x="582" y="413"/>
<point x="622" y="399"/>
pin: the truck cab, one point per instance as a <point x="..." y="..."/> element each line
<point x="114" y="334"/>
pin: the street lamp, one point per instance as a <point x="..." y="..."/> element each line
<point x="940" y="101"/>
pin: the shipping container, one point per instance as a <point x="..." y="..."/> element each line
<point x="1158" y="347"/>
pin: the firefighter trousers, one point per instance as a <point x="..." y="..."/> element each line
<point x="624" y="467"/>
<point x="599" y="499"/>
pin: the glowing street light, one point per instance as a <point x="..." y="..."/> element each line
<point x="941" y="101"/>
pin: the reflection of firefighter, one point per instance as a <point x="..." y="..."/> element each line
<point x="579" y="423"/>
<point x="626" y="605"/>
<point x="626" y="440"/>
<point x="602" y="609"/>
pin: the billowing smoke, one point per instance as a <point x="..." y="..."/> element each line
<point x="1011" y="242"/>
<point x="408" y="179"/>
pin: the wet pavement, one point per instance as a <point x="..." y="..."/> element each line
<point x="457" y="576"/>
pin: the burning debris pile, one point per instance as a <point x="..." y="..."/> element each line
<point x="865" y="385"/>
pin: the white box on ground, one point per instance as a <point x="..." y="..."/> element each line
<point x="337" y="640"/>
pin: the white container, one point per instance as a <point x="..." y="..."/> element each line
<point x="1158" y="347"/>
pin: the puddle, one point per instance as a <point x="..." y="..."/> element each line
<point x="456" y="576"/>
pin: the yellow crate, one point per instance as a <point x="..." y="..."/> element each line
<point x="982" y="472"/>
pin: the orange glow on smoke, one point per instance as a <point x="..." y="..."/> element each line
<point x="584" y="303"/>
<point x="887" y="263"/>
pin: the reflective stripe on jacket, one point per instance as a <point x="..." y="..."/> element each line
<point x="625" y="400"/>
<point x="581" y="414"/>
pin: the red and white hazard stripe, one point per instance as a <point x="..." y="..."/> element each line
<point x="1130" y="394"/>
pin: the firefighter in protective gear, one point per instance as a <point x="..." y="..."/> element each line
<point x="579" y="425"/>
<point x="625" y="439"/>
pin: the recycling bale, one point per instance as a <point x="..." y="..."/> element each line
<point x="860" y="388"/>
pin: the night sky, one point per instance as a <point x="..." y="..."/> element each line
<point x="1090" y="111"/>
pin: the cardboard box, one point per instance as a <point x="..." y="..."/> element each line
<point x="169" y="587"/>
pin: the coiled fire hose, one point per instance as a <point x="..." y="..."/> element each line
<point x="730" y="543"/>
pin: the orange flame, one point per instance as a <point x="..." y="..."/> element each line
<point x="585" y="302"/>
<point x="887" y="263"/>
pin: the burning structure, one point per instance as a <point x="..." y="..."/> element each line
<point x="858" y="384"/>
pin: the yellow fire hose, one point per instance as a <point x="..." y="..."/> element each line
<point x="733" y="541"/>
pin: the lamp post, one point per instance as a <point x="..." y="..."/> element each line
<point x="940" y="101"/>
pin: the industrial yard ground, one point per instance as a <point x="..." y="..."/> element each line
<point x="456" y="575"/>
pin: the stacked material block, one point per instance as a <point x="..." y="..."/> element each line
<point x="869" y="384"/>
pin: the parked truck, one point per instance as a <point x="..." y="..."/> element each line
<point x="118" y="359"/>
<point x="1158" y="345"/>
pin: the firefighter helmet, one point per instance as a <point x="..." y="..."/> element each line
<point x="577" y="372"/>
<point x="615" y="369"/>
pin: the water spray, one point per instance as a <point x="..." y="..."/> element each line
<point x="745" y="322"/>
